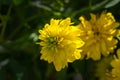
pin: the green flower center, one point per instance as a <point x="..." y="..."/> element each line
<point x="54" y="41"/>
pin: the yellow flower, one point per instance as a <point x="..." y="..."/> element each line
<point x="116" y="66"/>
<point x="60" y="43"/>
<point x="98" y="34"/>
<point x="107" y="71"/>
<point x="102" y="69"/>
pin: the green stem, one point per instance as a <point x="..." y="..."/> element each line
<point x="4" y="21"/>
<point x="21" y="25"/>
<point x="92" y="8"/>
<point x="90" y="4"/>
<point x="15" y="31"/>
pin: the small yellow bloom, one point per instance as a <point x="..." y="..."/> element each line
<point x="60" y="43"/>
<point x="107" y="71"/>
<point x="102" y="69"/>
<point x="98" y="34"/>
<point x="116" y="66"/>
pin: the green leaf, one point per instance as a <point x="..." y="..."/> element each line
<point x="112" y="3"/>
<point x="17" y="2"/>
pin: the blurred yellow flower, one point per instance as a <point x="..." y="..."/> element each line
<point x="60" y="43"/>
<point x="98" y="33"/>
<point x="107" y="71"/>
<point x="102" y="69"/>
<point x="116" y="66"/>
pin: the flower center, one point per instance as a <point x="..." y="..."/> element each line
<point x="96" y="33"/>
<point x="54" y="41"/>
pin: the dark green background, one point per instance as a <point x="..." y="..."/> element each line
<point x="20" y="21"/>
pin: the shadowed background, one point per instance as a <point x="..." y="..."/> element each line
<point x="20" y="21"/>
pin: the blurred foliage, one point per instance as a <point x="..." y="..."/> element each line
<point x="19" y="24"/>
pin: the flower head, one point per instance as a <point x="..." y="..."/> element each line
<point x="107" y="71"/>
<point x="60" y="43"/>
<point x="116" y="66"/>
<point x="98" y="34"/>
<point x="103" y="69"/>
